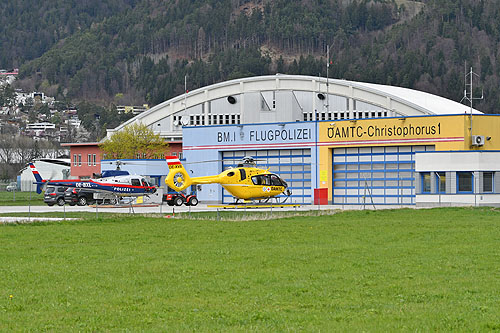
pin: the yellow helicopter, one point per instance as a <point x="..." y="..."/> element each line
<point x="245" y="182"/>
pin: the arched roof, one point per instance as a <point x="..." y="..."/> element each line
<point x="402" y="101"/>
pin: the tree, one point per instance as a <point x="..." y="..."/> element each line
<point x="136" y="140"/>
<point x="7" y="97"/>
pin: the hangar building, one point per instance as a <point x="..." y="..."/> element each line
<point x="361" y="143"/>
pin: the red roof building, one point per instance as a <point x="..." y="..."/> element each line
<point x="86" y="157"/>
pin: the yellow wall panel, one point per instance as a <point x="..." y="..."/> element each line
<point x="444" y="132"/>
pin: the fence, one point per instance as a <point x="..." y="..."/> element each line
<point x="5" y="182"/>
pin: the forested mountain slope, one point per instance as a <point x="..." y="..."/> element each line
<point x="140" y="51"/>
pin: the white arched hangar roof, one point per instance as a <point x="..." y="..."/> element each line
<point x="282" y="98"/>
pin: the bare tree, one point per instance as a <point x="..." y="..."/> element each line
<point x="6" y="148"/>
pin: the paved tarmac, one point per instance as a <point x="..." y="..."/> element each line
<point x="165" y="209"/>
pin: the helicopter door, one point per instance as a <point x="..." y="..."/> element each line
<point x="276" y="181"/>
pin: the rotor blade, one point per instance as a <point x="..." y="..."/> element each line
<point x="239" y="159"/>
<point x="199" y="162"/>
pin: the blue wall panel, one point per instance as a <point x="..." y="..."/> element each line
<point x="209" y="143"/>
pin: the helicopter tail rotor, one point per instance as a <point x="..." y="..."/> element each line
<point x="177" y="179"/>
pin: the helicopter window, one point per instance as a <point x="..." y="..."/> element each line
<point x="243" y="174"/>
<point x="230" y="174"/>
<point x="135" y="182"/>
<point x="275" y="181"/>
<point x="144" y="182"/>
<point x="261" y="180"/>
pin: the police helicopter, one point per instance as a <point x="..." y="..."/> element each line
<point x="116" y="183"/>
<point x="244" y="182"/>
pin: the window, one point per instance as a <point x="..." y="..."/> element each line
<point x="135" y="182"/>
<point x="441" y="182"/>
<point x="79" y="159"/>
<point x="487" y="182"/>
<point x="464" y="182"/>
<point x="94" y="159"/>
<point x="89" y="159"/>
<point x="426" y="182"/>
<point x="275" y="181"/>
<point x="75" y="161"/>
<point x="243" y="174"/>
<point x="261" y="180"/>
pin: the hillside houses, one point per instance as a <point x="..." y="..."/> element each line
<point x="35" y="114"/>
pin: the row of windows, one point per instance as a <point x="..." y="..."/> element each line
<point x="91" y="159"/>
<point x="213" y="119"/>
<point x="339" y="115"/>
<point x="465" y="182"/>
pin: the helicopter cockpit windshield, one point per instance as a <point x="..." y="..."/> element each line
<point x="268" y="180"/>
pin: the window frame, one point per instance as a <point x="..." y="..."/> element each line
<point x="492" y="182"/>
<point x="459" y="175"/>
<point x="424" y="180"/>
<point x="440" y="175"/>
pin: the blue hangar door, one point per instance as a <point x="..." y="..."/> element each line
<point x="292" y="165"/>
<point x="384" y="175"/>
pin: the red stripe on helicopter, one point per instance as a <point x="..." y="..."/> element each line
<point x="116" y="184"/>
<point x="33" y="169"/>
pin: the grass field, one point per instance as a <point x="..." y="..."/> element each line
<point x="20" y="199"/>
<point x="410" y="270"/>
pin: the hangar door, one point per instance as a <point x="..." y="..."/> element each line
<point x="384" y="175"/>
<point x="292" y="165"/>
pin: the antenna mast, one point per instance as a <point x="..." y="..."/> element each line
<point x="468" y="96"/>
<point x="185" y="92"/>
<point x="327" y="78"/>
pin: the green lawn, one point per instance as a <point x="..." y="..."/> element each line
<point x="20" y="199"/>
<point x="410" y="270"/>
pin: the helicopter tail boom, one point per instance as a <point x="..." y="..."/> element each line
<point x="39" y="181"/>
